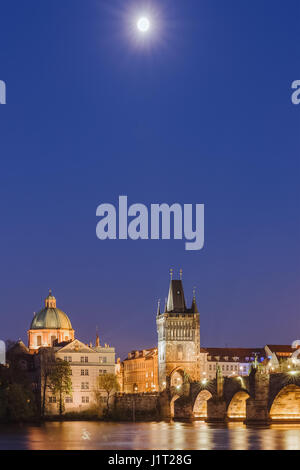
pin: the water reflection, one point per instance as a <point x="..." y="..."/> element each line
<point x="162" y="435"/>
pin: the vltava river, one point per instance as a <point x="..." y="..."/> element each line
<point x="162" y="435"/>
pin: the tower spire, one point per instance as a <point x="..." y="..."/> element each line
<point x="194" y="304"/>
<point x="97" y="344"/>
<point x="158" y="307"/>
<point x="176" y="300"/>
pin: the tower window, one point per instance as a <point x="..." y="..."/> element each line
<point x="179" y="352"/>
<point x="39" y="340"/>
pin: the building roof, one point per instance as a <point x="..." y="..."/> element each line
<point x="139" y="354"/>
<point x="175" y="303"/>
<point x="176" y="300"/>
<point x="51" y="318"/>
<point x="233" y="354"/>
<point x="281" y="348"/>
<point x="74" y="346"/>
<point x="18" y="348"/>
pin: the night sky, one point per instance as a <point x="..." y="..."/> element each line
<point x="198" y="112"/>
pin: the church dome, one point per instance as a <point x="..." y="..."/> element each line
<point x="50" y="317"/>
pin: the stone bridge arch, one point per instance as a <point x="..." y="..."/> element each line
<point x="237" y="406"/>
<point x="176" y="377"/>
<point x="200" y="404"/>
<point x="286" y="404"/>
<point x="279" y="381"/>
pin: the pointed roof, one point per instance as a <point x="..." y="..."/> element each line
<point x="194" y="308"/>
<point x="75" y="346"/>
<point x="176" y="300"/>
<point x="18" y="348"/>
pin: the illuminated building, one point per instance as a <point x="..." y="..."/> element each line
<point x="231" y="361"/>
<point x="48" y="326"/>
<point x="87" y="362"/>
<point x="140" y="371"/>
<point x="178" y="329"/>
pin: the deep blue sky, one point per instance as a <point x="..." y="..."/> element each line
<point x="200" y="114"/>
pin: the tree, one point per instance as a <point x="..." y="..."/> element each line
<point x="17" y="400"/>
<point x="47" y="361"/>
<point x="60" y="382"/>
<point x="108" y="383"/>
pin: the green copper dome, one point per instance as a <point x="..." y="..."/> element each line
<point x="50" y="317"/>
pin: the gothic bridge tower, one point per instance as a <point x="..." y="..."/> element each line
<point x="178" y="329"/>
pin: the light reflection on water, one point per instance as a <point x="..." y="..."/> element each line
<point x="156" y="436"/>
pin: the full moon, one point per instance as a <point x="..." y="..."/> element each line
<point x="143" y="24"/>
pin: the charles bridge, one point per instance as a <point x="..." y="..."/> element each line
<point x="259" y="398"/>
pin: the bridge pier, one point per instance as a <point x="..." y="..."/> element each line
<point x="164" y="405"/>
<point x="257" y="411"/>
<point x="183" y="408"/>
<point x="216" y="410"/>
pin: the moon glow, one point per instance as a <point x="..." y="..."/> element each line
<point x="143" y="24"/>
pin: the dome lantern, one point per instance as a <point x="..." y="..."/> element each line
<point x="50" y="301"/>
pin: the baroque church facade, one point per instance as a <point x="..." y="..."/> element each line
<point x="51" y="332"/>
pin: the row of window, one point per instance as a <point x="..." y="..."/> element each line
<point x="235" y="359"/>
<point x="70" y="400"/>
<point x="227" y="367"/>
<point x="102" y="360"/>
<point x="86" y="372"/>
<point x="148" y="374"/>
<point x="223" y="367"/>
<point x="53" y="338"/>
